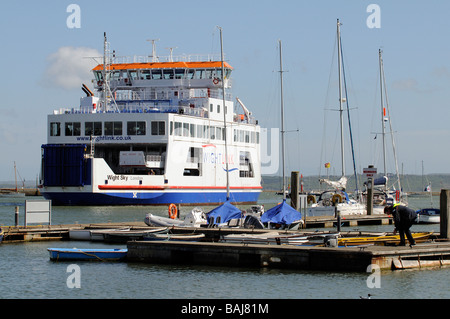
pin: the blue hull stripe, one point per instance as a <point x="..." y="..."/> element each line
<point x="191" y="198"/>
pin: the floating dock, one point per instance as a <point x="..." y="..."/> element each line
<point x="355" y="259"/>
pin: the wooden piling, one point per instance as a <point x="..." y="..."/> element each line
<point x="445" y="214"/>
<point x="295" y="185"/>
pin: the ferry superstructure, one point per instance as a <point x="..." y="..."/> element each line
<point x="154" y="134"/>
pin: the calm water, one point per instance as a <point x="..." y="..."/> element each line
<point x="27" y="271"/>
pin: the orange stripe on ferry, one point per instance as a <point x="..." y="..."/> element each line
<point x="164" y="65"/>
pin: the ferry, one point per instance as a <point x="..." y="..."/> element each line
<point x="158" y="130"/>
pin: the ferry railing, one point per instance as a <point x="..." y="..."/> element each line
<point x="168" y="58"/>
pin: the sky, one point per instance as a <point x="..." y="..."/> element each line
<point x="47" y="53"/>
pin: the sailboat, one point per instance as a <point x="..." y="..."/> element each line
<point x="337" y="199"/>
<point x="15" y="192"/>
<point x="282" y="215"/>
<point x="428" y="215"/>
<point x="383" y="193"/>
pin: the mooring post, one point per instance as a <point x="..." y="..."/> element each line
<point x="16" y="216"/>
<point x="295" y="185"/>
<point x="445" y="213"/>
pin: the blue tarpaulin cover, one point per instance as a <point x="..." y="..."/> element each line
<point x="226" y="212"/>
<point x="281" y="214"/>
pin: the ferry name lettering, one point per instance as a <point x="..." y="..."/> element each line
<point x="217" y="158"/>
<point x="117" y="178"/>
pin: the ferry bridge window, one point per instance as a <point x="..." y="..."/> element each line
<point x="73" y="129"/>
<point x="190" y="74"/>
<point x="200" y="74"/>
<point x="145" y="75"/>
<point x="179" y="73"/>
<point x="156" y="74"/>
<point x="218" y="74"/>
<point x="55" y="129"/>
<point x="113" y="128"/>
<point x="98" y="76"/>
<point x="133" y="75"/>
<point x="93" y="128"/>
<point x="168" y="74"/>
<point x="158" y="128"/>
<point x="136" y="128"/>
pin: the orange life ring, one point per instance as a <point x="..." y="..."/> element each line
<point x="216" y="81"/>
<point x="173" y="211"/>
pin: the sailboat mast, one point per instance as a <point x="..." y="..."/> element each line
<point x="224" y="114"/>
<point x="386" y="112"/>
<point x="383" y="112"/>
<point x="341" y="110"/>
<point x="282" y="121"/>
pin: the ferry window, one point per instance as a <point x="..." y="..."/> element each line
<point x="113" y="128"/>
<point x="145" y="75"/>
<point x="156" y="75"/>
<point x="247" y="137"/>
<point x="98" y="76"/>
<point x="208" y="74"/>
<point x="235" y="135"/>
<point x="185" y="129"/>
<point x="227" y="73"/>
<point x="205" y="131"/>
<point x="218" y="108"/>
<point x="179" y="73"/>
<point x="93" y="128"/>
<point x="133" y="75"/>
<point x="115" y="75"/>
<point x="211" y="108"/>
<point x="213" y="132"/>
<point x="200" y="131"/>
<point x="192" y="130"/>
<point x="171" y="128"/>
<point x="178" y="129"/>
<point x="246" y="167"/>
<point x="218" y="133"/>
<point x="136" y="128"/>
<point x="257" y="137"/>
<point x="199" y="74"/>
<point x="252" y="137"/>
<point x="158" y="128"/>
<point x="117" y="128"/>
<point x="72" y="129"/>
<point x="55" y="129"/>
<point x="190" y="74"/>
<point x="168" y="74"/>
<point x="241" y="136"/>
<point x="219" y="74"/>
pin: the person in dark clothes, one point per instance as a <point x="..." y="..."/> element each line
<point x="403" y="219"/>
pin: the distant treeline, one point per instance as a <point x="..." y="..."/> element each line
<point x="410" y="183"/>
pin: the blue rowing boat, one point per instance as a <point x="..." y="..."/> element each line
<point x="87" y="254"/>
